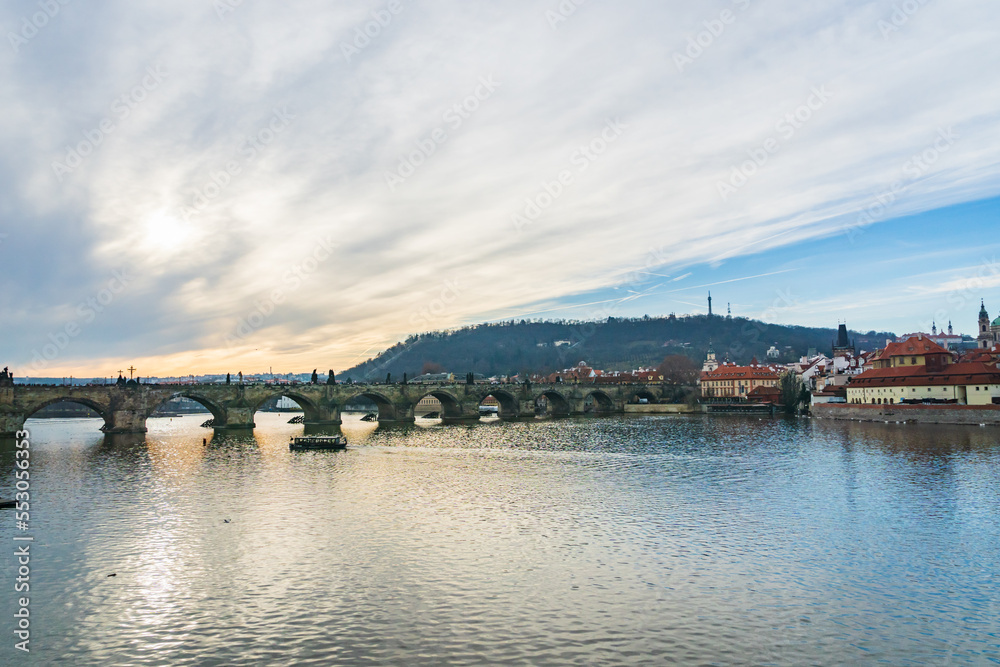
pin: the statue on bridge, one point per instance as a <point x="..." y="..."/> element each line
<point x="330" y="379"/>
<point x="120" y="382"/>
<point x="315" y="377"/>
<point x="6" y="378"/>
<point x="229" y="379"/>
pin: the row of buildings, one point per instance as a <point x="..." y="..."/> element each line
<point x="918" y="368"/>
<point x="939" y="367"/>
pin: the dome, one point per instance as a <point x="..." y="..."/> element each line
<point x="996" y="322"/>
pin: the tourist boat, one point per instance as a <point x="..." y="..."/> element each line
<point x="310" y="442"/>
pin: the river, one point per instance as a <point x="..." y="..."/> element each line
<point x="656" y="540"/>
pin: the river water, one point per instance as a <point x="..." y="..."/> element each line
<point x="688" y="540"/>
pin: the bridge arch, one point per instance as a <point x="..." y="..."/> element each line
<point x="509" y="405"/>
<point x="103" y="411"/>
<point x="384" y="407"/>
<point x="600" y="401"/>
<point x="310" y="409"/>
<point x="635" y="395"/>
<point x="554" y="403"/>
<point x="218" y="412"/>
<point x="451" y="407"/>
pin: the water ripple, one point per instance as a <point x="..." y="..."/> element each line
<point x="561" y="542"/>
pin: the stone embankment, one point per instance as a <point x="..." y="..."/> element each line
<point x="972" y="415"/>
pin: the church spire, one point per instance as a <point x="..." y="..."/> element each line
<point x="985" y="337"/>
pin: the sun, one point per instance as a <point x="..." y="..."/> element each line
<point x="162" y="233"/>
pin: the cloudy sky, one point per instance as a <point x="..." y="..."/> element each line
<point x="201" y="186"/>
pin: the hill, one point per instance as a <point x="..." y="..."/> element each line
<point x="512" y="347"/>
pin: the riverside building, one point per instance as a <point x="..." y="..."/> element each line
<point x="918" y="370"/>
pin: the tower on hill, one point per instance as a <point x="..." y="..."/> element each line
<point x="709" y="304"/>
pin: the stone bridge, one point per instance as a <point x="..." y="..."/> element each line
<point x="126" y="409"/>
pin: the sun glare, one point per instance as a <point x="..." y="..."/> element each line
<point x="162" y="233"/>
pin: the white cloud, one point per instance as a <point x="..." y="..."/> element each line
<point x="324" y="174"/>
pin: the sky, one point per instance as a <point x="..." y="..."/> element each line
<point x="212" y="186"/>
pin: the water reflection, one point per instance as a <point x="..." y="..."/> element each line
<point x="615" y="541"/>
<point x="321" y="429"/>
<point x="914" y="439"/>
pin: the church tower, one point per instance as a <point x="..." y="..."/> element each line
<point x="985" y="335"/>
<point x="711" y="362"/>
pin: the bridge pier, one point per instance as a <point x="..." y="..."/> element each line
<point x="324" y="416"/>
<point x="460" y="414"/>
<point x="124" y="421"/>
<point x="559" y="407"/>
<point x="237" y="418"/>
<point x="10" y="423"/>
<point x="520" y="410"/>
<point x="616" y="408"/>
<point x="397" y="413"/>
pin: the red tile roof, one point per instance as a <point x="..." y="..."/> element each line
<point x="740" y="373"/>
<point x="912" y="346"/>
<point x="761" y="390"/>
<point x="964" y="373"/>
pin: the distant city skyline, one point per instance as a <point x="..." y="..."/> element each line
<point x="200" y="186"/>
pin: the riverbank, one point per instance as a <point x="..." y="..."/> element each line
<point x="661" y="409"/>
<point x="969" y="415"/>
